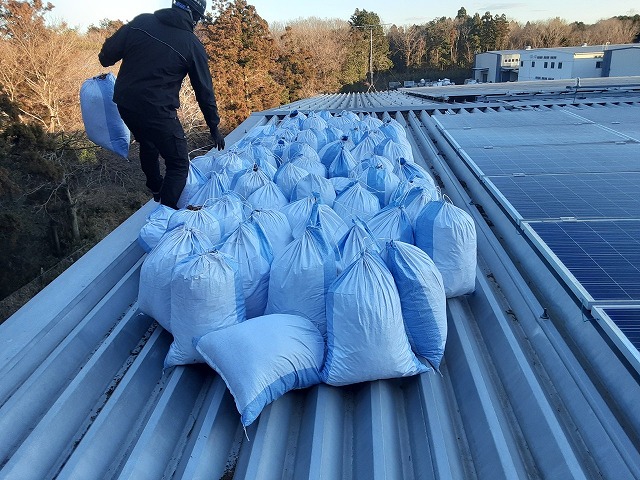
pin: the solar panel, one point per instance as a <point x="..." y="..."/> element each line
<point x="624" y="157"/>
<point x="602" y="195"/>
<point x="624" y="118"/>
<point x="515" y="118"/>
<point x="566" y="163"/>
<point x="542" y="135"/>
<point x="604" y="256"/>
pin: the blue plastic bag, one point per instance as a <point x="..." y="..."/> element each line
<point x="206" y="295"/>
<point x="288" y="176"/>
<point x="245" y="182"/>
<point x="448" y="235"/>
<point x="358" y="239"/>
<point x="366" y="339"/>
<point x="217" y="184"/>
<point x="301" y="276"/>
<point x="276" y="228"/>
<point x="249" y="246"/>
<point x="342" y="164"/>
<point x="156" y="226"/>
<point x="263" y="358"/>
<point x="154" y="292"/>
<point x="356" y="201"/>
<point x="269" y="197"/>
<point x="195" y="181"/>
<point x="424" y="303"/>
<point x="331" y="150"/>
<point x="391" y="223"/>
<point x="100" y="115"/>
<point x="229" y="210"/>
<point x="380" y="181"/>
<point x="198" y="218"/>
<point x="298" y="214"/>
<point x="314" y="184"/>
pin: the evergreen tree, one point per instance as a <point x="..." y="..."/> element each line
<point x="367" y="40"/>
<point x="243" y="57"/>
<point x="296" y="68"/>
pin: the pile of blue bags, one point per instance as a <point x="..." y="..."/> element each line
<point x="313" y="250"/>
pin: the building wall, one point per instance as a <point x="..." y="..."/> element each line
<point x="623" y="62"/>
<point x="546" y="65"/>
<point x="509" y="67"/>
<point x="486" y="67"/>
<point x="588" y="65"/>
<point x="557" y="64"/>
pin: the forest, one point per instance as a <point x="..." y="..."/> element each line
<point x="60" y="194"/>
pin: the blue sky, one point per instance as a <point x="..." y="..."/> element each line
<point x="400" y="12"/>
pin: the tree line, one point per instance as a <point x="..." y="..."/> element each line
<point x="59" y="193"/>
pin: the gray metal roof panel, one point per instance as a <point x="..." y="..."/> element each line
<point x="83" y="394"/>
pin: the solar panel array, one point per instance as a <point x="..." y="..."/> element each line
<point x="570" y="176"/>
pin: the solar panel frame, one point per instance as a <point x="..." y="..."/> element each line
<point x="540" y="135"/>
<point x="516" y="118"/>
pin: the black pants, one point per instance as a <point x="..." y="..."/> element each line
<point x="160" y="137"/>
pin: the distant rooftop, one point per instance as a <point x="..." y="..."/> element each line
<point x="575" y="49"/>
<point x="563" y="91"/>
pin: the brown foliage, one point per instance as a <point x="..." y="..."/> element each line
<point x="243" y="57"/>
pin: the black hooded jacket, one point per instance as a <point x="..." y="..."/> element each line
<point x="157" y="51"/>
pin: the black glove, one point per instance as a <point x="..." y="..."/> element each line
<point x="218" y="139"/>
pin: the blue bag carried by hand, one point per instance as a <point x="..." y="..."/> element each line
<point x="100" y="115"/>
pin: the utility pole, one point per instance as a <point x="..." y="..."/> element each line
<point x="371" y="27"/>
<point x="371" y="61"/>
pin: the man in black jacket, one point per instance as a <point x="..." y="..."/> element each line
<point x="157" y="51"/>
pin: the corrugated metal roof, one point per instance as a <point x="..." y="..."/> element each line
<point x="529" y="387"/>
<point x="370" y="102"/>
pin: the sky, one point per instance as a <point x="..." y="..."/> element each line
<point x="399" y="12"/>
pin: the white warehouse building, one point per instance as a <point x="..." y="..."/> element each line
<point x="557" y="63"/>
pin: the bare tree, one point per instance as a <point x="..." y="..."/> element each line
<point x="610" y="31"/>
<point x="409" y="43"/>
<point x="41" y="66"/>
<point x="326" y="40"/>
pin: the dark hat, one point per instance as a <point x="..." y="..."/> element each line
<point x="196" y="7"/>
